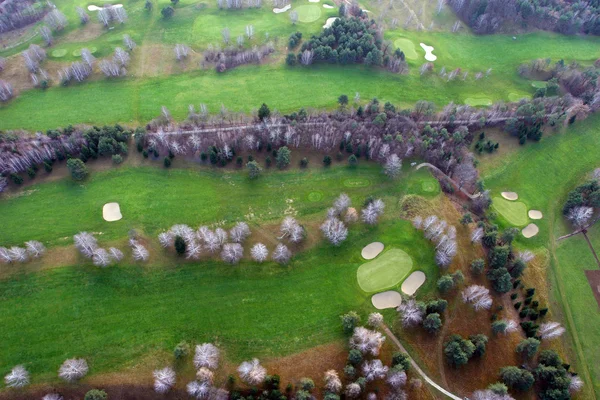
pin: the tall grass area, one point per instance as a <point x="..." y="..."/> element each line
<point x="130" y="314"/>
<point x="542" y="174"/>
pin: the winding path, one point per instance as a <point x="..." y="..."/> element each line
<point x="416" y="367"/>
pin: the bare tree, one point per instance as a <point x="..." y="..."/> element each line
<point x="110" y="68"/>
<point x="181" y="51"/>
<point x="373" y="370"/>
<point x="198" y="390"/>
<point x="375" y="320"/>
<point x="291" y="229"/>
<point x="580" y="216"/>
<point x="411" y="313"/>
<point x="83" y="16"/>
<point x="490" y="395"/>
<point x="335" y="231"/>
<point x="101" y="258"/>
<point x="307" y="56"/>
<point x="52" y="396"/>
<point x="550" y="330"/>
<point x="129" y="43"/>
<point x="353" y="390"/>
<point x="259" y="252"/>
<point x="56" y="20"/>
<point x="371" y="213"/>
<point x="226" y="34"/>
<point x="87" y="57"/>
<point x="115" y="254"/>
<point x="139" y="252"/>
<point x="121" y="57"/>
<point x="35" y="249"/>
<point x="86" y="243"/>
<point x="73" y="369"/>
<point x="251" y="372"/>
<point x="18" y="254"/>
<point x="17" y="378"/>
<point x="164" y="379"/>
<point x="207" y="356"/>
<point x="342" y="203"/>
<point x="576" y="384"/>
<point x="351" y="215"/>
<point x="119" y="14"/>
<point x="478" y="296"/>
<point x="366" y="341"/>
<point x="205" y="375"/>
<point x="294" y="16"/>
<point x="2" y="63"/>
<point x="333" y="383"/>
<point x="5" y="255"/>
<point x="221" y="235"/>
<point x="393" y="166"/>
<point x="104" y="16"/>
<point x="232" y="253"/>
<point x="396" y="379"/>
<point x="282" y="254"/>
<point x="249" y="31"/>
<point x="239" y="233"/>
<point x="46" y="34"/>
<point x="477" y="235"/>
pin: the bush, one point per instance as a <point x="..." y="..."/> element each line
<point x="96" y="394"/>
<point x="145" y="153"/>
<point x="354" y="357"/>
<point x="350" y="321"/>
<point x="17" y="180"/>
<point x="180" y="245"/>
<point x="167" y="162"/>
<point x="518" y="305"/>
<point x="283" y="157"/>
<point x="47" y="166"/>
<point x="291" y="59"/>
<point x="117" y="159"/>
<point x="264" y="112"/>
<point x="432" y="323"/>
<point x="528" y="347"/>
<point x="307" y="384"/>
<point x="501" y="280"/>
<point x="352" y="160"/>
<point x="167" y="12"/>
<point x="268" y="162"/>
<point x="349" y="371"/>
<point x="304" y="162"/>
<point x="458" y="351"/>
<point x="327" y="161"/>
<point x="401" y="360"/>
<point x="77" y="168"/>
<point x="437" y="306"/>
<point x="480" y="343"/>
<point x="445" y="284"/>
<point x="513" y="296"/>
<point x="181" y="350"/>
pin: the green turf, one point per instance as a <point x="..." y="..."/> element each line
<point x="539" y="84"/>
<point x="515" y="212"/>
<point x="408" y="47"/>
<point x="429" y="185"/>
<point x="58" y="53"/>
<point x="385" y="272"/>
<point x="308" y="12"/>
<point x="478" y="101"/>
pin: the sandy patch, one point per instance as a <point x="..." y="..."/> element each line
<point x="530" y="230"/>
<point x="327" y="6"/>
<point x="413" y="282"/>
<point x="329" y="22"/>
<point x="535" y="214"/>
<point x="111" y="212"/>
<point x="429" y="56"/>
<point x="282" y="10"/>
<point x="314" y="1"/>
<point x="372" y="250"/>
<point x="510" y="196"/>
<point x="96" y="8"/>
<point x="389" y="299"/>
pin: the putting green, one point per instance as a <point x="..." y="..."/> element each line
<point x="77" y="53"/>
<point x="385" y="272"/>
<point x="539" y="84"/>
<point x="308" y="13"/>
<point x="515" y="212"/>
<point x="315" y="196"/>
<point x="408" y="47"/>
<point x="429" y="185"/>
<point x="58" y="53"/>
<point x="478" y="101"/>
<point x="357" y="182"/>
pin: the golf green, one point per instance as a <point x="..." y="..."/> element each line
<point x="308" y="13"/>
<point x="408" y="47"/>
<point x="385" y="272"/>
<point x="59" y="53"/>
<point x="515" y="212"/>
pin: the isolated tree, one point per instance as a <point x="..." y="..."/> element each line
<point x="504" y="327"/>
<point x="366" y="341"/>
<point x="84" y="18"/>
<point x="77" y="169"/>
<point x="17" y="378"/>
<point x="580" y="216"/>
<point x="283" y="158"/>
<point x="517" y="378"/>
<point x="393" y="166"/>
<point x="294" y="16"/>
<point x="46" y="34"/>
<point x="198" y="390"/>
<point x="411" y="312"/>
<point x="119" y="14"/>
<point x="550" y="330"/>
<point x="259" y="252"/>
<point x="182" y="51"/>
<point x="335" y="231"/>
<point x="148" y="5"/>
<point x="167" y="12"/>
<point x="73" y="369"/>
<point x="291" y="229"/>
<point x="458" y="351"/>
<point x="232" y="253"/>
<point x="528" y="347"/>
<point x="252" y="373"/>
<point x="374" y="370"/>
<point x="432" y="323"/>
<point x="128" y="42"/>
<point x="254" y="169"/>
<point x="164" y="379"/>
<point x="478" y="296"/>
<point x="375" y="320"/>
<point x="282" y="254"/>
<point x="264" y="112"/>
<point x="226" y="35"/>
<point x="207" y="356"/>
<point x="371" y="213"/>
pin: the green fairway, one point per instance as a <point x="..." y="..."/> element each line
<point x="478" y="101"/>
<point x="515" y="212"/>
<point x="385" y="272"/>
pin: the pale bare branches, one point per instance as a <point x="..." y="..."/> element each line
<point x="478" y="296"/>
<point x="259" y="252"/>
<point x="73" y="369"/>
<point x="366" y="341"/>
<point x="239" y="233"/>
<point x="232" y="253"/>
<point x="335" y="231"/>
<point x="411" y="313"/>
<point x="251" y="372"/>
<point x="164" y="379"/>
<point x="206" y="356"/>
<point x="282" y="254"/>
<point x="550" y="330"/>
<point x="17" y="378"/>
<point x="333" y="383"/>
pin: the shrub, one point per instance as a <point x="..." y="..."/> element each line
<point x="352" y="160"/>
<point x="432" y="323"/>
<point x="458" y="351"/>
<point x="350" y="371"/>
<point x="181" y="350"/>
<point x="96" y="394"/>
<point x="167" y="12"/>
<point x="283" y="157"/>
<point x="291" y="59"/>
<point x="445" y="283"/>
<point x="477" y="266"/>
<point x="518" y="305"/>
<point x="117" y="159"/>
<point x="180" y="245"/>
<point x="327" y="161"/>
<point x="355" y="357"/>
<point x="268" y="162"/>
<point x="480" y="343"/>
<point x="167" y="162"/>
<point x="47" y="166"/>
<point x="350" y="321"/>
<point x="77" y="168"/>
<point x="528" y="347"/>
<point x="437" y="306"/>
<point x="401" y="360"/>
<point x="304" y="162"/>
<point x="513" y="296"/>
<point x="264" y="112"/>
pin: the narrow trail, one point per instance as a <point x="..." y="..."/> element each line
<point x="433" y="167"/>
<point x="416" y="367"/>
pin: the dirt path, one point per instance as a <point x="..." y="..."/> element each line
<point x="471" y="196"/>
<point x="416" y="367"/>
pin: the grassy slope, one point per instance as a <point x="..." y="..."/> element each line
<point x="118" y="316"/>
<point x="542" y="174"/>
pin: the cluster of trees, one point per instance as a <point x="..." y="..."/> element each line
<point x="33" y="57"/>
<point x="428" y="315"/>
<point x="32" y="250"/>
<point x="442" y="235"/>
<point x="238" y="4"/>
<point x="581" y="202"/>
<point x="15" y="14"/>
<point x="110" y="14"/>
<point x="87" y="245"/>
<point x="71" y="370"/>
<point x="458" y="350"/>
<point x="568" y="17"/>
<point x="231" y="57"/>
<point x="334" y="229"/>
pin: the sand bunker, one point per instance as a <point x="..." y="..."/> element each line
<point x="96" y="8"/>
<point x="372" y="250"/>
<point x="314" y="1"/>
<point x="530" y="230"/>
<point x="510" y="196"/>
<point x="282" y="10"/>
<point x="329" y="22"/>
<point x="413" y="282"/>
<point x="535" y="214"/>
<point x="327" y="6"/>
<point x="111" y="212"/>
<point x="389" y="299"/>
<point x="428" y="52"/>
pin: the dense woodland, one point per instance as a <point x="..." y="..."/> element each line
<point x="15" y="14"/>
<point x="567" y="17"/>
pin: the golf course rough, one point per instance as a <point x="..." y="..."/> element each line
<point x="514" y="212"/>
<point x="385" y="272"/>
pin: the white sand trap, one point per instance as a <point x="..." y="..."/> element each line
<point x="96" y="8"/>
<point x="510" y="196"/>
<point x="535" y="214"/>
<point x="111" y="212"/>
<point x="530" y="230"/>
<point x="429" y="56"/>
<point x="389" y="299"/>
<point x="372" y="250"/>
<point x="282" y="10"/>
<point x="327" y="6"/>
<point x="329" y="22"/>
<point x="413" y="282"/>
<point x="314" y="1"/>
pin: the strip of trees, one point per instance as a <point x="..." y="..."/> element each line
<point x="15" y="14"/>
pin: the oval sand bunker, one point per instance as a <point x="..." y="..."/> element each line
<point x="510" y="196"/>
<point x="372" y="250"/>
<point x="530" y="230"/>
<point x="413" y="282"/>
<point x="111" y="212"/>
<point x="329" y="22"/>
<point x="389" y="299"/>
<point x="96" y="8"/>
<point x="535" y="214"/>
<point x="282" y="10"/>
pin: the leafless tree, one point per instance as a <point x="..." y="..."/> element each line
<point x="353" y="390"/>
<point x="411" y="313"/>
<point x="580" y="216"/>
<point x="294" y="16"/>
<point x="477" y="235"/>
<point x="291" y="229"/>
<point x="335" y="231"/>
<point x="393" y="166"/>
<point x="198" y="390"/>
<point x="550" y="330"/>
<point x="86" y="243"/>
<point x="251" y="372"/>
<point x="56" y="20"/>
<point x="115" y="254"/>
<point x="249" y="31"/>
<point x="129" y="43"/>
<point x="193" y="249"/>
<point x="576" y="384"/>
<point x="282" y="254"/>
<point x="417" y="222"/>
<point x="226" y="34"/>
<point x="139" y="252"/>
<point x="366" y="341"/>
<point x="465" y="174"/>
<point x="490" y="395"/>
<point x="478" y="296"/>
<point x="104" y="16"/>
<point x="83" y="16"/>
<point x="221" y="235"/>
<point x="5" y="255"/>
<point x="181" y="51"/>
<point x="396" y="379"/>
<point x="46" y="34"/>
<point x="110" y="68"/>
<point x="375" y="320"/>
<point x="2" y="63"/>
<point x="259" y="252"/>
<point x="121" y="57"/>
<point x="205" y="375"/>
<point x="232" y="253"/>
<point x="87" y="57"/>
<point x="17" y="378"/>
<point x="35" y="249"/>
<point x="307" y="57"/>
<point x="333" y="383"/>
<point x="239" y="233"/>
<point x="351" y="215"/>
<point x="371" y="213"/>
<point x="207" y="356"/>
<point x="164" y="379"/>
<point x="73" y="369"/>
<point x="119" y="14"/>
<point x="18" y="254"/>
<point x="52" y="396"/>
<point x="342" y="203"/>
<point x="101" y="258"/>
<point x="373" y="370"/>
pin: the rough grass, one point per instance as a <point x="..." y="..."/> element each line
<point x="515" y="212"/>
<point x="385" y="272"/>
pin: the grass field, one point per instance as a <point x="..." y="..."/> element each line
<point x="125" y="315"/>
<point x="542" y="174"/>
<point x="384" y="272"/>
<point x="515" y="212"/>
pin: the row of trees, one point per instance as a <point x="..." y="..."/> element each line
<point x="71" y="370"/>
<point x="15" y="14"/>
<point x="443" y="235"/>
<point x="32" y="250"/>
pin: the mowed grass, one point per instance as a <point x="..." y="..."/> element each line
<point x="542" y="174"/>
<point x="125" y="315"/>
<point x="515" y="212"/>
<point x="385" y="272"/>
